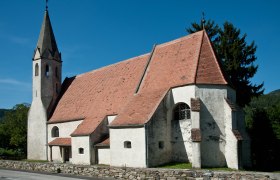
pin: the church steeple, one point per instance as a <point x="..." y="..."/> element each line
<point x="46" y="77"/>
<point x="46" y="44"/>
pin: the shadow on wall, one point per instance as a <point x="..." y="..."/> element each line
<point x="179" y="152"/>
<point x="212" y="140"/>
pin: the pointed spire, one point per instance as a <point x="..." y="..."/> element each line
<point x="46" y="43"/>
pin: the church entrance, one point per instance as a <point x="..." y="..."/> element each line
<point x="67" y="154"/>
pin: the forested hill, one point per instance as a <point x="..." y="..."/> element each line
<point x="276" y="92"/>
<point x="266" y="100"/>
<point x="2" y="112"/>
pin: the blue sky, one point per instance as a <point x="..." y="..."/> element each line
<point x="91" y="34"/>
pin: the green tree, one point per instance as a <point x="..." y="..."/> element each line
<point x="236" y="56"/>
<point x="263" y="123"/>
<point x="13" y="129"/>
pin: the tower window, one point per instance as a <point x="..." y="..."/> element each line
<point x="36" y="69"/>
<point x="160" y="144"/>
<point x="55" y="131"/>
<point x="56" y="72"/>
<point x="181" y="111"/>
<point x="81" y="150"/>
<point x="47" y="71"/>
<point x="56" y="88"/>
<point x="127" y="144"/>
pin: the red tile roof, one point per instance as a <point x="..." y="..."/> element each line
<point x="110" y="90"/>
<point x="106" y="142"/>
<point x="139" y="109"/>
<point x="60" y="142"/>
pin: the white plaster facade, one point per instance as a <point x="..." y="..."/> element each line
<point x="65" y="130"/>
<point x="78" y="143"/>
<point x="128" y="157"/>
<point x="104" y="156"/>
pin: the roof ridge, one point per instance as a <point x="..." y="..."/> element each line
<point x="132" y="58"/>
<point x="198" y="57"/>
<point x="216" y="59"/>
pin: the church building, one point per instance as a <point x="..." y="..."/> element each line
<point x="173" y="104"/>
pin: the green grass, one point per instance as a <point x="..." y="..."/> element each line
<point x="220" y="169"/>
<point x="177" y="166"/>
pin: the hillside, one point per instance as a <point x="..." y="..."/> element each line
<point x="263" y="124"/>
<point x="2" y="112"/>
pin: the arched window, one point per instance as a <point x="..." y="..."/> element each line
<point x="36" y="69"/>
<point x="55" y="131"/>
<point x="47" y="71"/>
<point x="181" y="111"/>
<point x="127" y="144"/>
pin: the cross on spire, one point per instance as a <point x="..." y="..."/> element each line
<point x="203" y="20"/>
<point x="46" y="5"/>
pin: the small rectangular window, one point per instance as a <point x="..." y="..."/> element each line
<point x="127" y="144"/>
<point x="81" y="150"/>
<point x="160" y="144"/>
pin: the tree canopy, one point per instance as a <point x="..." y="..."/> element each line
<point x="263" y="123"/>
<point x="236" y="56"/>
<point x="13" y="131"/>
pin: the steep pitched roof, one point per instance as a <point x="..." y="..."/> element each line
<point x="93" y="95"/>
<point x="208" y="69"/>
<point x="46" y="42"/>
<point x="110" y="90"/>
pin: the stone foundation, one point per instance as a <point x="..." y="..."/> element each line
<point x="134" y="173"/>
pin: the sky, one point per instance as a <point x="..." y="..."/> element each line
<point x="94" y="33"/>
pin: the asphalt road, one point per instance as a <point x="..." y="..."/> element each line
<point x="23" y="175"/>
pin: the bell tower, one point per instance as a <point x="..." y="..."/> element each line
<point x="46" y="76"/>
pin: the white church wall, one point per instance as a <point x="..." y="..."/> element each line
<point x="231" y="146"/>
<point x="181" y="141"/>
<point x="130" y="157"/>
<point x="56" y="154"/>
<point x="37" y="131"/>
<point x="65" y="130"/>
<point x="212" y="124"/>
<point x="81" y="150"/>
<point x="104" y="156"/>
<point x="158" y="137"/>
<point x="183" y="94"/>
